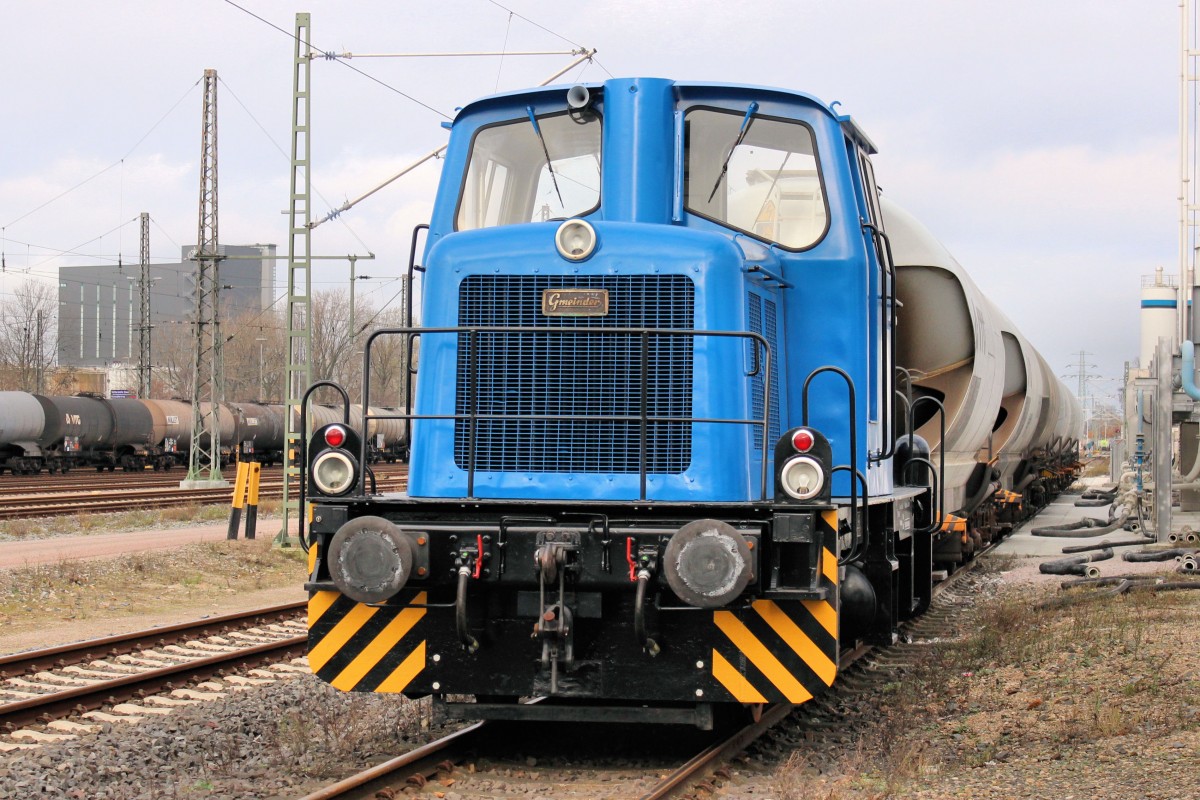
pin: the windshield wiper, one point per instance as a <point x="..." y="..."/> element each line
<point x="741" y="135"/>
<point x="537" y="129"/>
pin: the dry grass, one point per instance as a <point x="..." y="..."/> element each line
<point x="1047" y="685"/>
<point x="138" y="520"/>
<point x="344" y="727"/>
<point x="143" y="582"/>
<point x="1096" y="468"/>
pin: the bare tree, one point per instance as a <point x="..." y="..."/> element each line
<point x="171" y="355"/>
<point x="28" y="336"/>
<point x="255" y="353"/>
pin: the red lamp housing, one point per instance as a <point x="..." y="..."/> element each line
<point x="335" y="436"/>
<point x="803" y="440"/>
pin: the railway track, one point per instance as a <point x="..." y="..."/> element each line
<point x="434" y="766"/>
<point x="439" y="764"/>
<point x="100" y="497"/>
<point x="41" y="686"/>
<point x="25" y="484"/>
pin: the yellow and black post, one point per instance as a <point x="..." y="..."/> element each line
<point x="239" y="497"/>
<point x="252" y="501"/>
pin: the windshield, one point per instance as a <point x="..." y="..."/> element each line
<point x="521" y="172"/>
<point x="771" y="187"/>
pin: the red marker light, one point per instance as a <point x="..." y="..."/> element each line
<point x="335" y="436"/>
<point x="803" y="440"/>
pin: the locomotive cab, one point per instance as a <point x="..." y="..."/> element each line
<point x="651" y="443"/>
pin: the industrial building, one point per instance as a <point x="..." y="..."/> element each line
<point x="98" y="317"/>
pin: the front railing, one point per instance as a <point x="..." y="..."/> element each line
<point x="644" y="419"/>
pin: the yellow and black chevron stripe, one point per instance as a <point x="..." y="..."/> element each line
<point x="782" y="650"/>
<point x="360" y="648"/>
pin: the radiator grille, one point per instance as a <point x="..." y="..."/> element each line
<point x="761" y="316"/>
<point x="567" y="374"/>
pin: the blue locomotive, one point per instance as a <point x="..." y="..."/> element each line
<point x="696" y="413"/>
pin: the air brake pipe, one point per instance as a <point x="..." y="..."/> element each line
<point x="460" y="611"/>
<point x="639" y="615"/>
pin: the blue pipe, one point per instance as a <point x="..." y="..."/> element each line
<point x="1188" y="349"/>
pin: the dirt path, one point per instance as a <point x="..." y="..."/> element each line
<point x="116" y="593"/>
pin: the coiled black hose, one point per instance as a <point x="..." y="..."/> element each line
<point x="1083" y="548"/>
<point x="1076" y="583"/>
<point x="1067" y="531"/>
<point x="1119" y="586"/>
<point x="1076" y="565"/>
<point x="1158" y="555"/>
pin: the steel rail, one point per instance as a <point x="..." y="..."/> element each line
<point x="86" y="698"/>
<point x="123" y="643"/>
<point x="30" y="506"/>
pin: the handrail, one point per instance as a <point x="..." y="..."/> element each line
<point x="887" y="303"/>
<point x="853" y="418"/>
<point x="408" y="316"/>
<point x="303" y="454"/>
<point x="941" y="471"/>
<point x="855" y="540"/>
<point x="643" y="417"/>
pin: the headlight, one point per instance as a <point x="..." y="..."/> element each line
<point x="575" y="239"/>
<point x="333" y="472"/>
<point x="802" y="478"/>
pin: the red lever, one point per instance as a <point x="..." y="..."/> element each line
<point x="478" y="556"/>
<point x="629" y="558"/>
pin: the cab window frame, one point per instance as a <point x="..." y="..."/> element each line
<point x="740" y="113"/>
<point x="509" y="171"/>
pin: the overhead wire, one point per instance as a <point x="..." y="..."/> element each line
<point x="330" y="56"/>
<point x="288" y="159"/>
<point x="110" y="166"/>
<point x="534" y="24"/>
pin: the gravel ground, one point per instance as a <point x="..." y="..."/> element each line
<point x="1095" y="700"/>
<point x="281" y="740"/>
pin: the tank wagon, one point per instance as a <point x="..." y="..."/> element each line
<point x="58" y="434"/>
<point x="697" y="413"/>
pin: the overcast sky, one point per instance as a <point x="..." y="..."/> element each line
<point x="1036" y="138"/>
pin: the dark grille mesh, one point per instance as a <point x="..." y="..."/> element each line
<point x="575" y="374"/>
<point x="761" y="316"/>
